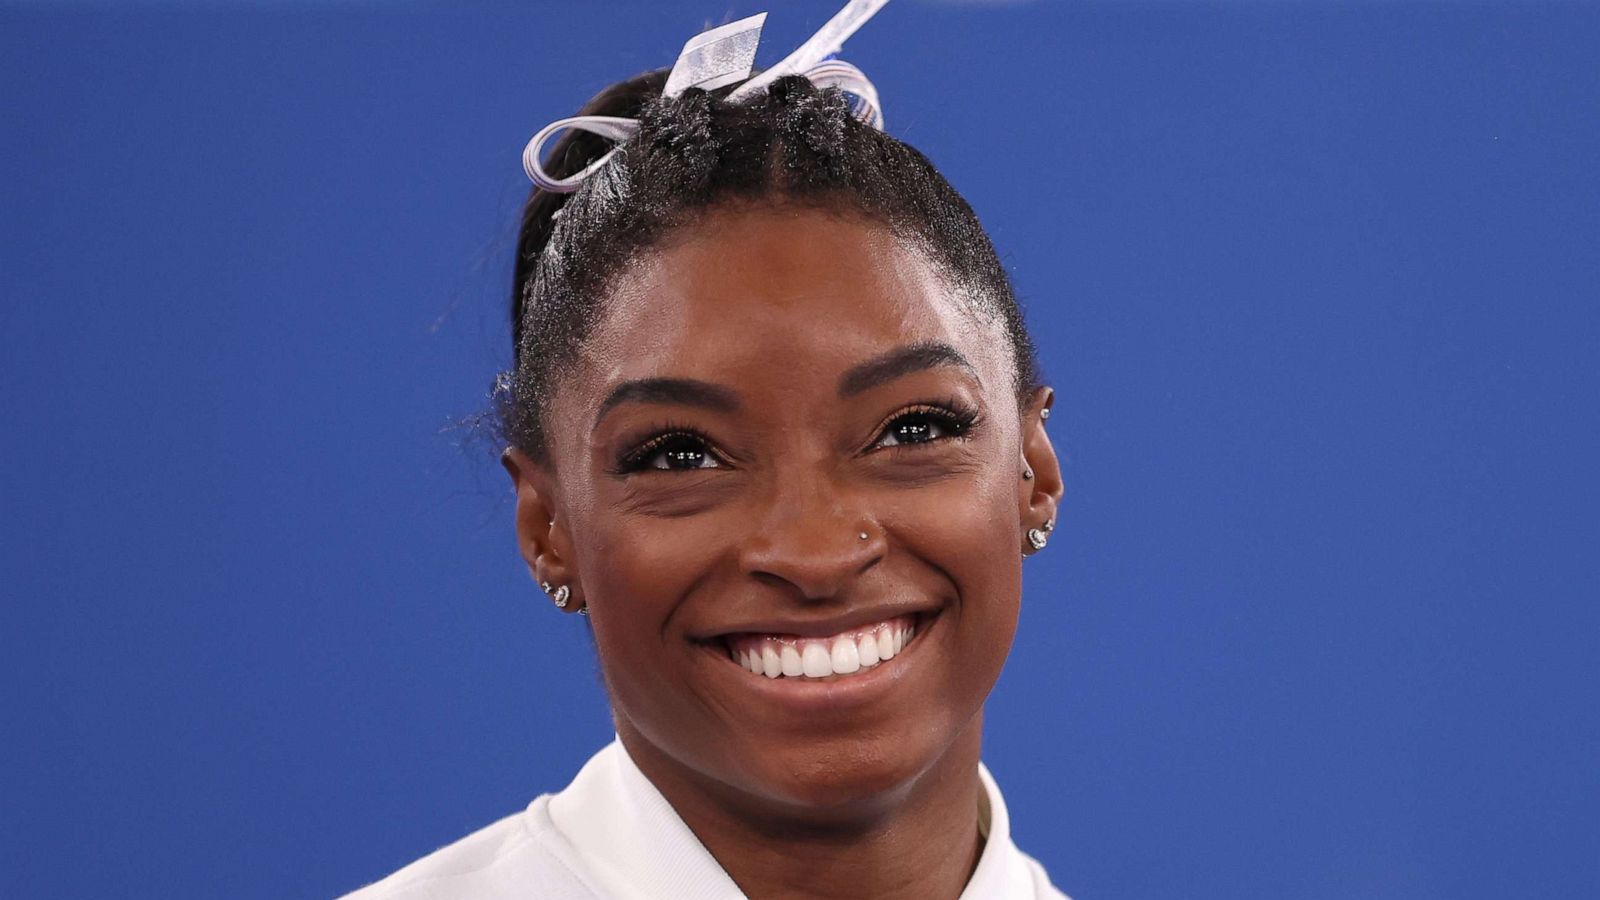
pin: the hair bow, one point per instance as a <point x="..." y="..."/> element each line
<point x="720" y="57"/>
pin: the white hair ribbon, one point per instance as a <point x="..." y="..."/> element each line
<point x="720" y="57"/>
<point x="717" y="58"/>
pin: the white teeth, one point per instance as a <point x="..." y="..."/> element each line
<point x="846" y="658"/>
<point x="814" y="661"/>
<point x="844" y="654"/>
<point x="868" y="646"/>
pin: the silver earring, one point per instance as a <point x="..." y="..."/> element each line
<point x="1027" y="474"/>
<point x="583" y="610"/>
<point x="1038" y="537"/>
<point x="1044" y="413"/>
<point x="561" y="595"/>
<point x="545" y="586"/>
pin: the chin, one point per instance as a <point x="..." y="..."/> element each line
<point x="845" y="778"/>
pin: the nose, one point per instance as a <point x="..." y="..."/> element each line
<point x="809" y="538"/>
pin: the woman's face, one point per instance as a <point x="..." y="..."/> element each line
<point x="789" y="434"/>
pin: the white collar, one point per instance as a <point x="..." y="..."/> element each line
<point x="636" y="846"/>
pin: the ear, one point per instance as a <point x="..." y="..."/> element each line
<point x="1039" y="497"/>
<point x="545" y="543"/>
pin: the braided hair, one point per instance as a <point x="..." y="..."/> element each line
<point x="797" y="145"/>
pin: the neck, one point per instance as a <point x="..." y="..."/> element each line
<point x="922" y="843"/>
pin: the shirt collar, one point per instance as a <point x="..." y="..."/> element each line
<point x="636" y="846"/>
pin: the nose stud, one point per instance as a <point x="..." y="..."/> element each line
<point x="862" y="535"/>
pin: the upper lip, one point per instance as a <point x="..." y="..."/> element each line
<point x="820" y="627"/>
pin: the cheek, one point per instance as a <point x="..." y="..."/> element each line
<point x="961" y="525"/>
<point x="635" y="575"/>
<point x="642" y="566"/>
<point x="968" y="531"/>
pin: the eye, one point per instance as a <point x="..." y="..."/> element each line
<point x="677" y="451"/>
<point x="925" y="425"/>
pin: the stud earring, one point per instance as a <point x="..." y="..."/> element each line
<point x="1027" y="474"/>
<point x="560" y="596"/>
<point x="1044" y="413"/>
<point x="1038" y="537"/>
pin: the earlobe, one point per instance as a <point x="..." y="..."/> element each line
<point x="539" y="536"/>
<point x="1041" y="488"/>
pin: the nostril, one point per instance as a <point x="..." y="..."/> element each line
<point x="819" y="560"/>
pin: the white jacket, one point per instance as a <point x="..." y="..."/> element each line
<point x="610" y="835"/>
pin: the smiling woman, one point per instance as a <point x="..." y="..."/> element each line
<point x="775" y="427"/>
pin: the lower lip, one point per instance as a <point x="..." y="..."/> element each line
<point x="811" y="695"/>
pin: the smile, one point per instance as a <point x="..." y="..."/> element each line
<point x="833" y="657"/>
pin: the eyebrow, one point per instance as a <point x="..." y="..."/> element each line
<point x="680" y="391"/>
<point x="900" y="362"/>
<point x="862" y="377"/>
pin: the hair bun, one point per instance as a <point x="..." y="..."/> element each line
<point x="810" y="117"/>
<point x="678" y="123"/>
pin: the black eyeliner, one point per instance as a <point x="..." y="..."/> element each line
<point x="955" y="416"/>
<point x="652" y="440"/>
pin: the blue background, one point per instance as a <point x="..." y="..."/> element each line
<point x="1316" y="283"/>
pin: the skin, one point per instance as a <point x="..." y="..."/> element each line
<point x="773" y="306"/>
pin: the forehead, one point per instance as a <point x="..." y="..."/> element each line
<point x="747" y="290"/>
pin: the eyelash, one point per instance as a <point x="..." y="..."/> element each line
<point x="658" y="439"/>
<point x="954" y="418"/>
